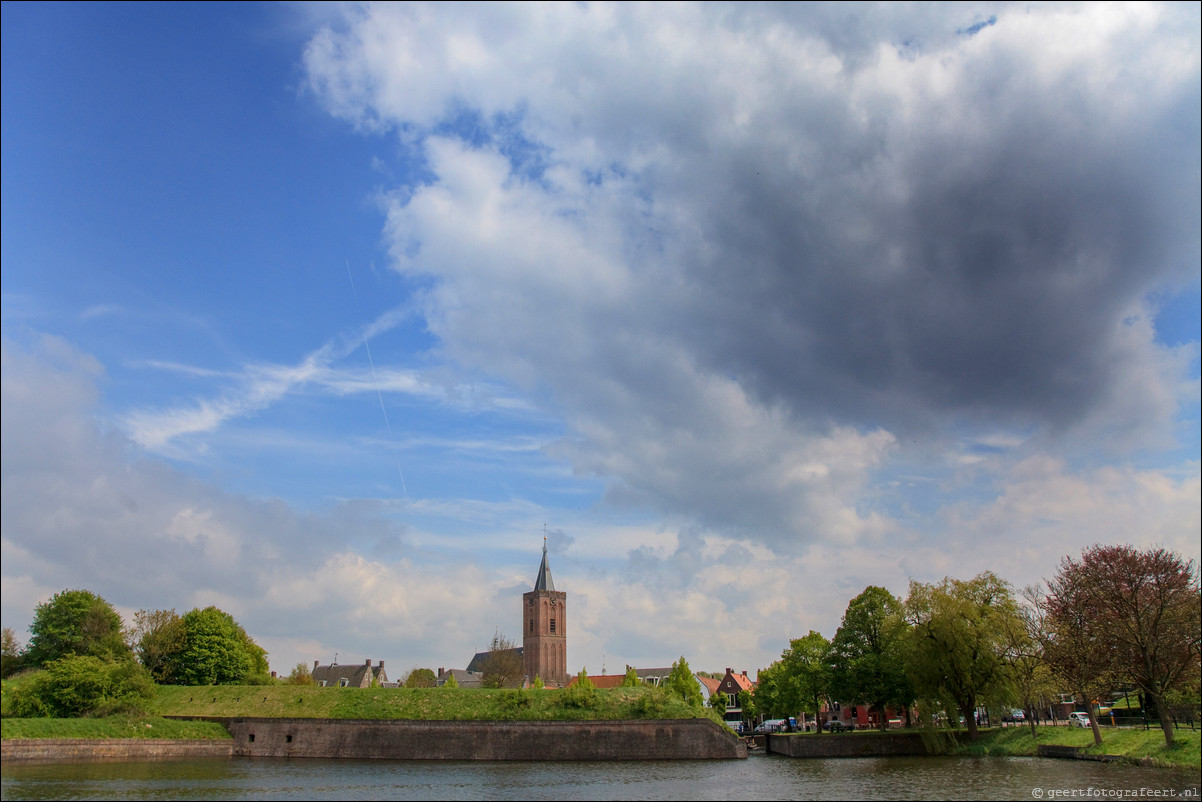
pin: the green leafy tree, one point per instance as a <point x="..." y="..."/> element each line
<point x="867" y="654"/>
<point x="748" y="706"/>
<point x="156" y="636"/>
<point x="421" y="678"/>
<point x="807" y="661"/>
<point x="717" y="703"/>
<point x="798" y="682"/>
<point x="451" y="682"/>
<point x="76" y="622"/>
<point x="538" y="682"/>
<point x="683" y="683"/>
<point x="216" y="651"/>
<point x="80" y="685"/>
<point x="631" y="680"/>
<point x="956" y="645"/>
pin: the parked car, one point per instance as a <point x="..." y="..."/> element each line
<point x="1016" y="715"/>
<point x="835" y="726"/>
<point x="1078" y="719"/>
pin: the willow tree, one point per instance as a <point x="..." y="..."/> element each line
<point x="956" y="647"/>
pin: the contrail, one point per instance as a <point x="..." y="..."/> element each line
<point x="376" y="381"/>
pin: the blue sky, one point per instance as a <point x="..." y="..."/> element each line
<point x="322" y="313"/>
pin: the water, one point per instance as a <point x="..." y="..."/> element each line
<point x="759" y="777"/>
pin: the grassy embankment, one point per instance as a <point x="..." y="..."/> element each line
<point x="1132" y="744"/>
<point x="290" y="701"/>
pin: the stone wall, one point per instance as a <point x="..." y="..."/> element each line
<point x="695" y="739"/>
<point x="53" y="749"/>
<point x="859" y="744"/>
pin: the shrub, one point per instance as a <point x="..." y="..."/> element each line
<point x="78" y="686"/>
<point x="581" y="694"/>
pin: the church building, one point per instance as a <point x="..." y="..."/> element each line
<point x="545" y="630"/>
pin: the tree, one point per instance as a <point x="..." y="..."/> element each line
<point x="631" y="680"/>
<point x="451" y="682"/>
<point x="1034" y="681"/>
<point x="807" y="660"/>
<point x="12" y="656"/>
<point x="797" y="682"/>
<point x="683" y="683"/>
<point x="75" y="622"/>
<point x="956" y="645"/>
<point x="301" y="675"/>
<point x="157" y="635"/>
<point x="717" y="703"/>
<point x="421" y="678"/>
<point x="1149" y="603"/>
<point x="503" y="666"/>
<point x="1076" y="642"/>
<point x="216" y="651"/>
<point x="866" y="654"/>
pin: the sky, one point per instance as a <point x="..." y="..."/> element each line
<point x="328" y="314"/>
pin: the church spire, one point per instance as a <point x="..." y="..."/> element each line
<point x="543" y="582"/>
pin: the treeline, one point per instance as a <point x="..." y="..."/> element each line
<point x="92" y="664"/>
<point x="1117" y="617"/>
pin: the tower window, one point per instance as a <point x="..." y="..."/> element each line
<point x="531" y="624"/>
<point x="552" y="626"/>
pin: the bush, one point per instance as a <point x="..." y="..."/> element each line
<point x="78" y="686"/>
<point x="581" y="694"/>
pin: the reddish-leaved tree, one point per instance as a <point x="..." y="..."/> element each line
<point x="1147" y="604"/>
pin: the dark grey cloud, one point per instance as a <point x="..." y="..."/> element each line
<point x="771" y="246"/>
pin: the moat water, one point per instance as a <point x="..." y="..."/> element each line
<point x="758" y="777"/>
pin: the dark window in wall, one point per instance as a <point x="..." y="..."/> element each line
<point x="552" y="626"/>
<point x="531" y="624"/>
<point x="287" y="739"/>
<point x="251" y="738"/>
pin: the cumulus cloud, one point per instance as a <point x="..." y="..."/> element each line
<point x="749" y="250"/>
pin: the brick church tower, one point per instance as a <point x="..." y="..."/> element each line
<point x="545" y="630"/>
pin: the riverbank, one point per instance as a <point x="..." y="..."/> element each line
<point x="1138" y="746"/>
<point x="1131" y="745"/>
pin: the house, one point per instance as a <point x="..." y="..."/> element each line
<point x="463" y="677"/>
<point x="731" y="684"/>
<point x="336" y="675"/>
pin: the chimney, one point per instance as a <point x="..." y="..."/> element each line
<point x="368" y="663"/>
<point x="382" y="665"/>
<point x="744" y="673"/>
<point x="728" y="671"/>
<point x="440" y="671"/>
<point x="315" y="663"/>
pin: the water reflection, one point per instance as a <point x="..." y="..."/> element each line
<point x="760" y="777"/>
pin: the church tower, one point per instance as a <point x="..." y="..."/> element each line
<point x="545" y="630"/>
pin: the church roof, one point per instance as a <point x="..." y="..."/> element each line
<point x="543" y="581"/>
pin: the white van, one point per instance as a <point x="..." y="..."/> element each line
<point x="1078" y="719"/>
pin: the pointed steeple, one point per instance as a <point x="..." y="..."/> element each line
<point x="543" y="582"/>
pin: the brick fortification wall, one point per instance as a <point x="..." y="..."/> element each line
<point x="861" y="744"/>
<point x="53" y="749"/>
<point x="696" y="739"/>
